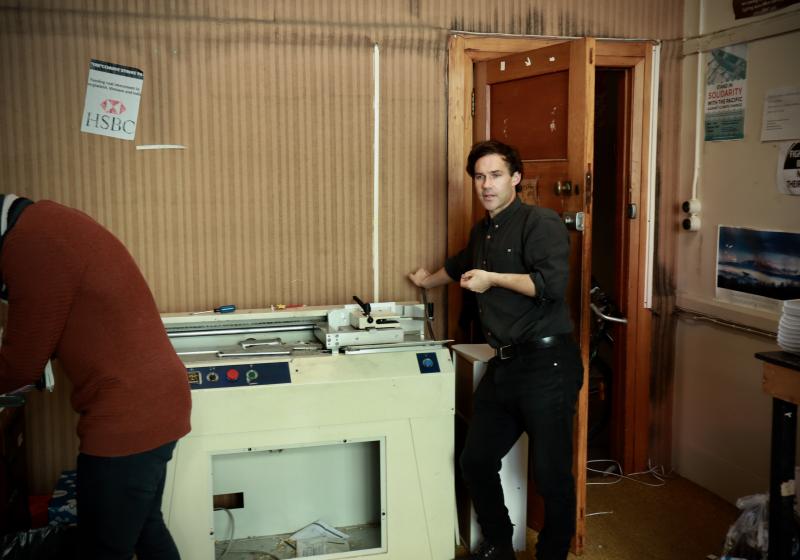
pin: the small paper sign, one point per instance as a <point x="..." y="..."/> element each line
<point x="112" y="100"/>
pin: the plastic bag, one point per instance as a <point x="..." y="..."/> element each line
<point x="51" y="542"/>
<point x="748" y="537"/>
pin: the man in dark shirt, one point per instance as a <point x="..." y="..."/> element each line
<point x="517" y="263"/>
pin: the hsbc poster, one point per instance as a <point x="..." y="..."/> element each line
<point x="112" y="100"/>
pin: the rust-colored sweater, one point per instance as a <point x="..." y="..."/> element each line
<point x="76" y="294"/>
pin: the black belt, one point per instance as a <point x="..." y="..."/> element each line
<point x="529" y="346"/>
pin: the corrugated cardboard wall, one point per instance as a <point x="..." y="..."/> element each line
<point x="272" y="199"/>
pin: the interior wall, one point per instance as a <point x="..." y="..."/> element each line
<point x="722" y="417"/>
<point x="272" y="201"/>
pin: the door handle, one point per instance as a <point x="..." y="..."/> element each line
<point x="605" y="317"/>
<point x="574" y="220"/>
<point x="563" y="188"/>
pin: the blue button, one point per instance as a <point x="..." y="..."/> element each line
<point x="427" y="362"/>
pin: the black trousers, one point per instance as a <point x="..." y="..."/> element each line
<point x="534" y="393"/>
<point x="119" y="506"/>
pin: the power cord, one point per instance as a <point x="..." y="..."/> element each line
<point x="654" y="471"/>
<point x="262" y="555"/>
<point x="659" y="469"/>
<point x="599" y="513"/>
<point x="232" y="530"/>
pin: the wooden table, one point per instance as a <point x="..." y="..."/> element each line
<point x="782" y="382"/>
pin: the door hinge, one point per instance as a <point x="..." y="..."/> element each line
<point x="591" y="56"/>
<point x="472" y="104"/>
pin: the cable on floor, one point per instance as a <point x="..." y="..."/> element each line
<point x="653" y="471"/>
<point x="599" y="513"/>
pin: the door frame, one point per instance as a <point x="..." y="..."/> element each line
<point x="463" y="51"/>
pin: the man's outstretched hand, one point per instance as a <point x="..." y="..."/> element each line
<point x="418" y="277"/>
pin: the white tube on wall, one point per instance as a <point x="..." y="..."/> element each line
<point x="376" y="145"/>
<point x="651" y="179"/>
<point x="699" y="134"/>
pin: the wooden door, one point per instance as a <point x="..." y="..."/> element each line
<point x="542" y="102"/>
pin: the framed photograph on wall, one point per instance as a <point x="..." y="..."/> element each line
<point x="758" y="268"/>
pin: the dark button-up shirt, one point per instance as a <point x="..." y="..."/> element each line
<point x="521" y="239"/>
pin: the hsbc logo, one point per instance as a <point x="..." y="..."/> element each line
<point x="112" y="106"/>
<point x="110" y="122"/>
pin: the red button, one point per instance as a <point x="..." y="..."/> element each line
<point x="232" y="375"/>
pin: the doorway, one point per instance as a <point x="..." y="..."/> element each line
<point x="609" y="271"/>
<point x="629" y="66"/>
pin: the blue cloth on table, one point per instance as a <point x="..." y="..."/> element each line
<point x="63" y="508"/>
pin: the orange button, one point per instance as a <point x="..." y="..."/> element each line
<point x="232" y="374"/>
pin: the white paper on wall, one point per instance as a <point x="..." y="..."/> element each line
<point x="781" y="119"/>
<point x="111" y="107"/>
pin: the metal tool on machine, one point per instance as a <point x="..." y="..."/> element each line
<point x="220" y="309"/>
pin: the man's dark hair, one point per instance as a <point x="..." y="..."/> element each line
<point x="488" y="147"/>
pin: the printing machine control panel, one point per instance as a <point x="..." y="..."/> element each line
<point x="273" y="373"/>
<point x="238" y="375"/>
<point x="216" y="348"/>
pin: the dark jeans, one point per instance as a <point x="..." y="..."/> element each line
<point x="534" y="393"/>
<point x="119" y="506"/>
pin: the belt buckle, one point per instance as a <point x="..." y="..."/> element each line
<point x="502" y="355"/>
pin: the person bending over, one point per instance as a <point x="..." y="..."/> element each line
<point x="75" y="294"/>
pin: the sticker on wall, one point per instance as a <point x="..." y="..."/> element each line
<point x="726" y="89"/>
<point x="757" y="268"/>
<point x="112" y="100"/>
<point x="788" y="177"/>
<point x="781" y="114"/>
<point x="750" y="8"/>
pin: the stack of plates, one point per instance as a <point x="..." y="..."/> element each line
<point x="789" y="326"/>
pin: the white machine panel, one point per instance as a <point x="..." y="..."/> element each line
<point x="471" y="363"/>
